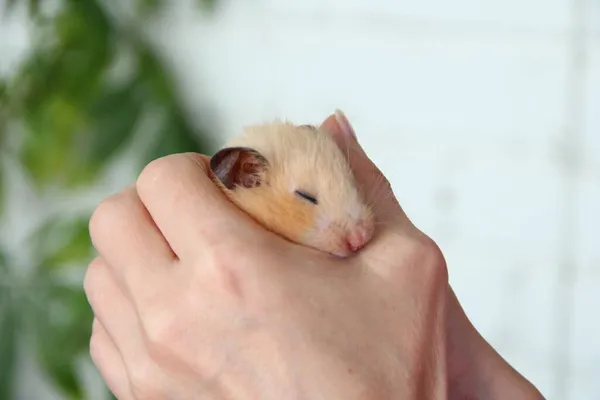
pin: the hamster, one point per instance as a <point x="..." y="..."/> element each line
<point x="295" y="181"/>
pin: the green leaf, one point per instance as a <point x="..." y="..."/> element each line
<point x="113" y="117"/>
<point x="154" y="76"/>
<point x="2" y="188"/>
<point x="33" y="7"/>
<point x="8" y="343"/>
<point x="207" y="5"/>
<point x="59" y="315"/>
<point x="87" y="42"/>
<point x="35" y="81"/>
<point x="62" y="87"/>
<point x="62" y="242"/>
<point x="8" y="331"/>
<point x="60" y="319"/>
<point x="4" y="109"/>
<point x="176" y="136"/>
<point x="149" y="7"/>
<point x="3" y="94"/>
<point x="47" y="149"/>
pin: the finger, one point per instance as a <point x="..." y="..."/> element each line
<point x="401" y="235"/>
<point x="126" y="236"/>
<point x="374" y="184"/>
<point x="124" y="233"/>
<point x="115" y="312"/>
<point x="188" y="207"/>
<point x="368" y="176"/>
<point x="109" y="363"/>
<point x="122" y="324"/>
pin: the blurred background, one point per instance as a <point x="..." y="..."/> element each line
<point x="484" y="115"/>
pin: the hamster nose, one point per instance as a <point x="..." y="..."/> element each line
<point x="358" y="236"/>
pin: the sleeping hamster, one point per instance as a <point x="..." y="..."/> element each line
<point x="295" y="181"/>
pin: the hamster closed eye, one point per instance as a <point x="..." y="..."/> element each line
<point x="295" y="181"/>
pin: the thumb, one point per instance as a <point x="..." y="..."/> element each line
<point x="400" y="238"/>
<point x="375" y="186"/>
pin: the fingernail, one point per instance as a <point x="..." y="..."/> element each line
<point x="344" y="124"/>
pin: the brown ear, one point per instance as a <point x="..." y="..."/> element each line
<point x="239" y="166"/>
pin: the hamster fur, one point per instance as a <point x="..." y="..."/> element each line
<point x="295" y="181"/>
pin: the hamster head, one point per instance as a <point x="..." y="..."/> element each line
<point x="295" y="181"/>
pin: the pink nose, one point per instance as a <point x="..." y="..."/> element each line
<point x="358" y="236"/>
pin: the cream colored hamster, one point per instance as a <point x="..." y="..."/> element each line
<point x="295" y="181"/>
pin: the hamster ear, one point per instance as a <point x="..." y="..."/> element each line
<point x="239" y="166"/>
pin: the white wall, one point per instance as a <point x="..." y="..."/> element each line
<point x="485" y="116"/>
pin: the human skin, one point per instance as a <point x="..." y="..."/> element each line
<point x="194" y="300"/>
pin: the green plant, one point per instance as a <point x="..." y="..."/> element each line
<point x="75" y="104"/>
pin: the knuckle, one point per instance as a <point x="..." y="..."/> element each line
<point x="224" y="273"/>
<point x="98" y="344"/>
<point x="225" y="256"/>
<point x="144" y="384"/>
<point x="154" y="171"/>
<point x="105" y="215"/>
<point x="416" y="252"/>
<point x="226" y="253"/>
<point x="90" y="279"/>
<point x="430" y="258"/>
<point x="161" y="330"/>
<point x="165" y="169"/>
<point x="229" y="260"/>
<point x="238" y="273"/>
<point x="96" y="349"/>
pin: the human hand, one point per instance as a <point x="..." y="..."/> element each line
<point x="193" y="300"/>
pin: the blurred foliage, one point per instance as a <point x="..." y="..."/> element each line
<point x="8" y="328"/>
<point x="73" y="112"/>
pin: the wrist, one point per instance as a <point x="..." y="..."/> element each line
<point x="501" y="381"/>
<point x="476" y="369"/>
